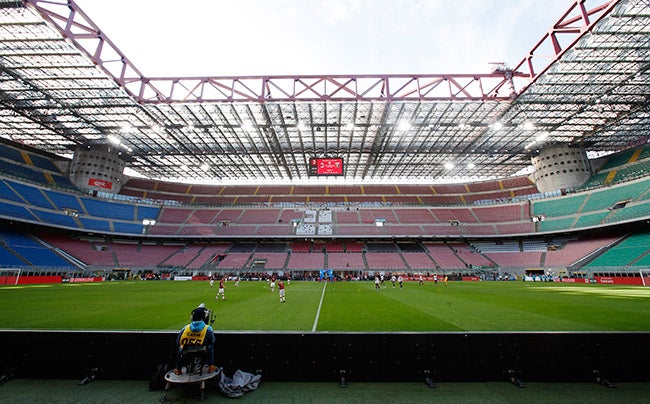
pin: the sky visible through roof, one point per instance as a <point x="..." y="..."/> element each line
<point x="165" y="38"/>
<point x="329" y="37"/>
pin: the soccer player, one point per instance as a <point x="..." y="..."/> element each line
<point x="222" y="289"/>
<point x="376" y="282"/>
<point x="272" y="284"/>
<point x="435" y="279"/>
<point x="393" y="279"/>
<point x="445" y="279"/>
<point x="400" y="280"/>
<point x="420" y="281"/>
<point x="281" y="291"/>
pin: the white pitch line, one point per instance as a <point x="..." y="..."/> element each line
<point x="320" y="304"/>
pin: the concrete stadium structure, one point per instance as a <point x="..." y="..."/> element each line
<point x="292" y="174"/>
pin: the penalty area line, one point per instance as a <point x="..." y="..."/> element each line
<point x="320" y="304"/>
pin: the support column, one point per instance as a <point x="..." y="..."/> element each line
<point x="560" y="166"/>
<point x="97" y="168"/>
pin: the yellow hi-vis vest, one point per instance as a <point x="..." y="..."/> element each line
<point x="190" y="337"/>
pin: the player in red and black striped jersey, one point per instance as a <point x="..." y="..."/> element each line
<point x="281" y="291"/>
<point x="222" y="289"/>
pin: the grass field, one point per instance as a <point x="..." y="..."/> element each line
<point x="334" y="307"/>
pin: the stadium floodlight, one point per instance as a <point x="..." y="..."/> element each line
<point x="404" y="126"/>
<point x="449" y="165"/>
<point x="542" y="136"/>
<point x="497" y="125"/>
<point x="113" y="140"/>
<point x="471" y="165"/>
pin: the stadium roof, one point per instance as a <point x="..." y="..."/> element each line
<point x="64" y="84"/>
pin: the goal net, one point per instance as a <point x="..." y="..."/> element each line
<point x="9" y="276"/>
<point x="645" y="276"/>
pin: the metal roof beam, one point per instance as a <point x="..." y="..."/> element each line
<point x="575" y="22"/>
<point x="75" y="25"/>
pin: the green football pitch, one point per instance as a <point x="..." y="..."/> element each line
<point x="329" y="307"/>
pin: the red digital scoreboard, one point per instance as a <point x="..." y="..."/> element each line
<point x="325" y="166"/>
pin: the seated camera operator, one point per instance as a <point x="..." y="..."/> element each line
<point x="196" y="333"/>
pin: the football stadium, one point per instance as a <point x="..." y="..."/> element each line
<point x="429" y="230"/>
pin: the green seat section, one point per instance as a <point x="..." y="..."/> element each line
<point x="625" y="252"/>
<point x="608" y="197"/>
<point x="558" y="207"/>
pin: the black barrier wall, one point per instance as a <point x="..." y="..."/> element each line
<point x="319" y="357"/>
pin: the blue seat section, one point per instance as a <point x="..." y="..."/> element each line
<point x="8" y="194"/>
<point x="55" y="218"/>
<point x="32" y="194"/>
<point x="11" y="153"/>
<point x="109" y="210"/>
<point x="63" y="182"/>
<point x="64" y="201"/>
<point x="128" y="228"/>
<point x="31" y="250"/>
<point x="9" y="259"/>
<point x="39" y="172"/>
<point x="41" y="256"/>
<point x="21" y="171"/>
<point x="147" y="212"/>
<point x="11" y="211"/>
<point x="49" y="208"/>
<point x="44" y="163"/>
<point x="93" y="224"/>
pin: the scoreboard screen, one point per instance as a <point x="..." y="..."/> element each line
<point x="325" y="166"/>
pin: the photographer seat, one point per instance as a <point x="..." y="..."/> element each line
<point x="194" y="362"/>
<point x="194" y="359"/>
